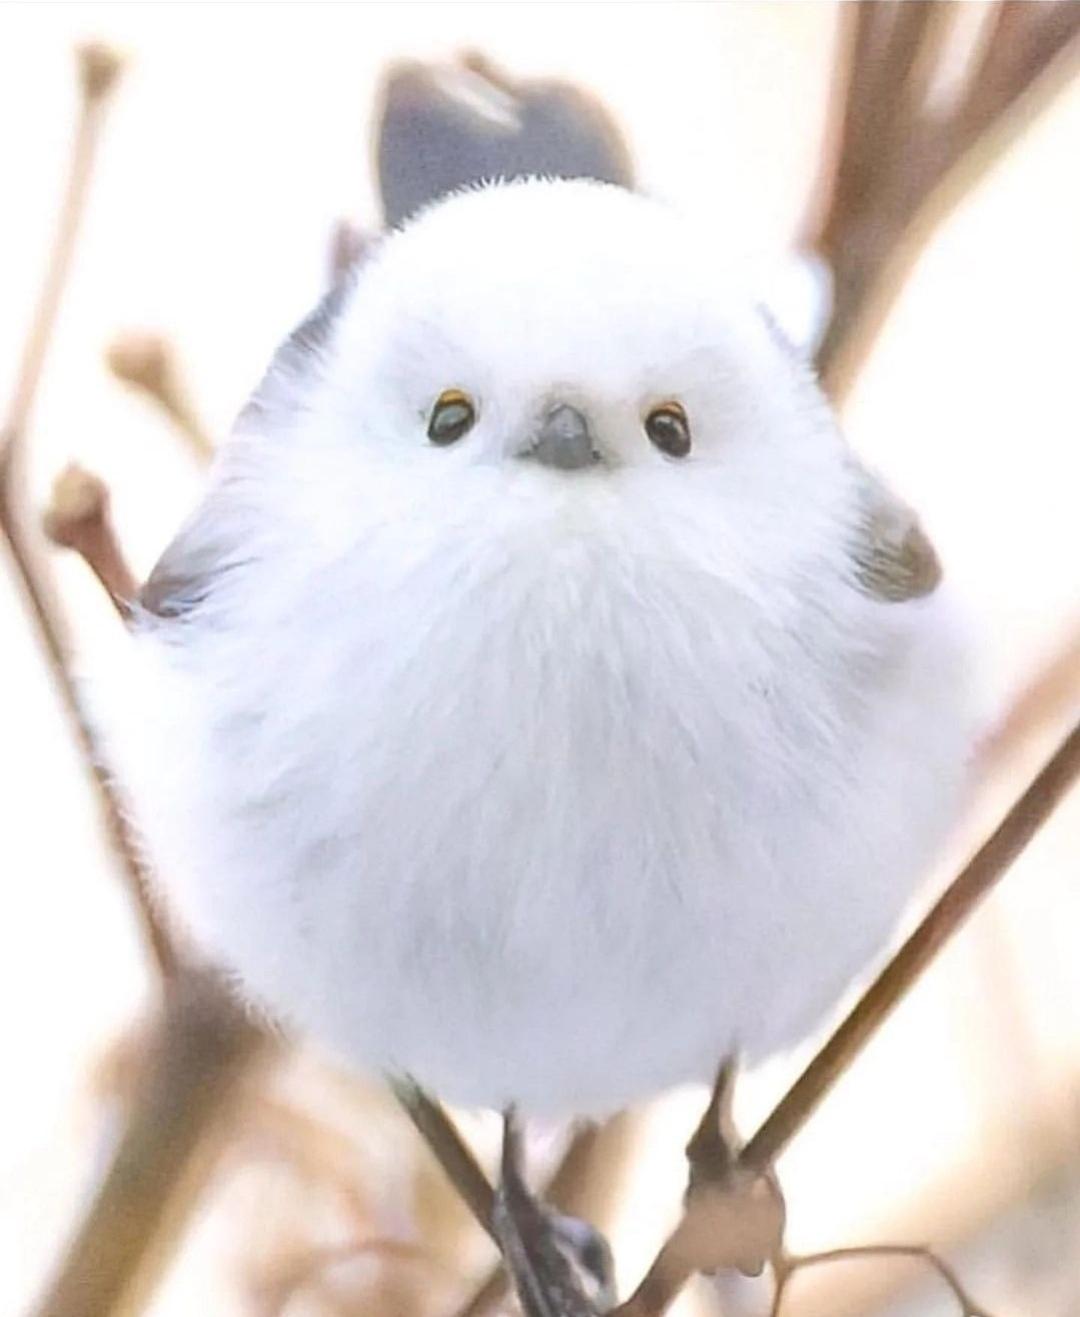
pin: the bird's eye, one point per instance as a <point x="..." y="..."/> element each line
<point x="451" y="417"/>
<point x="668" y="428"/>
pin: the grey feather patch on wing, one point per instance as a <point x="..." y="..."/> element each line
<point x="894" y="559"/>
<point x="203" y="550"/>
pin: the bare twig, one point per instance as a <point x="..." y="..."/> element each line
<point x="675" y="1264"/>
<point x="793" y="1264"/>
<point x="452" y="1152"/>
<point x="895" y="167"/>
<point x="98" y="70"/>
<point x="146" y="362"/>
<point x="205" y="1041"/>
<point x="989" y="863"/>
<point x="78" y="518"/>
<point x="1023" y="41"/>
<point x="588" y="1180"/>
<point x="203" y="1050"/>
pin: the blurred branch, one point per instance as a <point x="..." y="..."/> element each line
<point x="588" y="1180"/>
<point x="78" y="518"/>
<point x="895" y="166"/>
<point x="1026" y="1167"/>
<point x="297" y="1277"/>
<point x="792" y="1265"/>
<point x="147" y="363"/>
<point x="452" y="1152"/>
<point x="675" y="1263"/>
<point x="990" y="862"/>
<point x="203" y="1050"/>
<point x="204" y="1040"/>
<point x="98" y="71"/>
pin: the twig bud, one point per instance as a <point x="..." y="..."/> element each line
<point x="78" y="518"/>
<point x="145" y="361"/>
<point x="99" y="67"/>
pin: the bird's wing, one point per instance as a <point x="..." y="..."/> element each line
<point x="894" y="559"/>
<point x="203" y="549"/>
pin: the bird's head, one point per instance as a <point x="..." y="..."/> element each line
<point x="571" y="330"/>
<point x="561" y="365"/>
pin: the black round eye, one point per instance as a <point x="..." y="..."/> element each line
<point x="451" y="417"/>
<point x="669" y="429"/>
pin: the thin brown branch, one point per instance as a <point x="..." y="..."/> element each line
<point x="450" y="1150"/>
<point x="204" y="1042"/>
<point x="676" y="1263"/>
<point x="589" y="1180"/>
<point x="98" y="71"/>
<point x="204" y="1049"/>
<point x="33" y="577"/>
<point x="861" y="198"/>
<point x="791" y="1265"/>
<point x="147" y="363"/>
<point x="78" y="518"/>
<point x="880" y="45"/>
<point x="1023" y="40"/>
<point x="989" y="863"/>
<point x="893" y="169"/>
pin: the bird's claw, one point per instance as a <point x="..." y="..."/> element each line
<point x="553" y="1260"/>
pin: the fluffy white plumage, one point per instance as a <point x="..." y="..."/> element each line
<point x="546" y="786"/>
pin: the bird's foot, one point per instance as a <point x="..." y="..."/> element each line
<point x="714" y="1146"/>
<point x="560" y="1266"/>
<point x="743" y="1210"/>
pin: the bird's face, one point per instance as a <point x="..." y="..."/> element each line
<point x="561" y="333"/>
<point x="545" y="366"/>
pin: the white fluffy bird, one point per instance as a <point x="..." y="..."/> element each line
<point x="543" y="701"/>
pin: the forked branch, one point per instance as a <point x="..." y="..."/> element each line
<point x="897" y="161"/>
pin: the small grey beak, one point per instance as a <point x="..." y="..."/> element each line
<point x="564" y="440"/>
